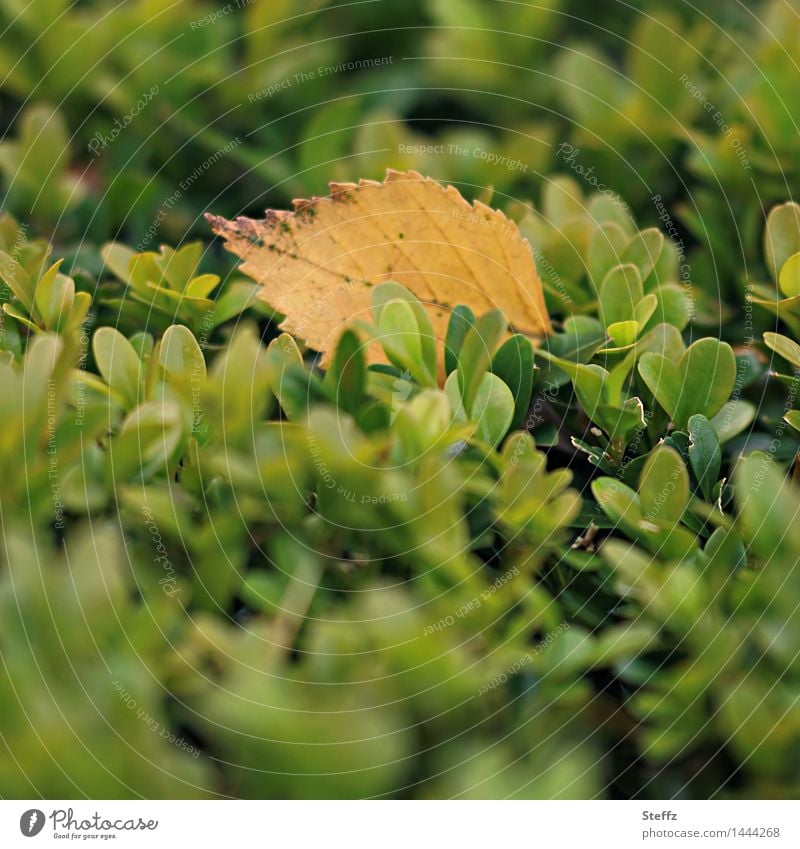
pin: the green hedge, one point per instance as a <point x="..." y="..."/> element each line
<point x="568" y="572"/>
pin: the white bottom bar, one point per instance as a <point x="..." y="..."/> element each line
<point x="401" y="825"/>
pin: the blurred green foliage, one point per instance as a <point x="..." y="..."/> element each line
<point x="565" y="572"/>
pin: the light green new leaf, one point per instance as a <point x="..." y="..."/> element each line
<point x="789" y="276"/>
<point x="476" y="354"/>
<point x="781" y="236"/>
<point x="182" y="359"/>
<point x="119" y="364"/>
<point x="620" y="292"/>
<point x="664" y="486"/>
<point x="493" y="410"/>
<point x="732" y="419"/>
<point x="786" y="347"/>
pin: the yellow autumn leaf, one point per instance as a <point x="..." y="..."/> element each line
<point x="318" y="263"/>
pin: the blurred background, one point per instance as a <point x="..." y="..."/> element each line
<point x="128" y="120"/>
